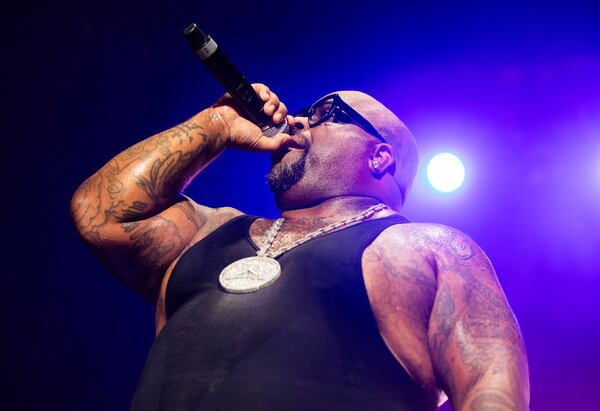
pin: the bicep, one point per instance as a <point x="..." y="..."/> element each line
<point x="138" y="253"/>
<point x="473" y="335"/>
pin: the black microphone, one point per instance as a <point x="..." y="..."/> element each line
<point x="232" y="80"/>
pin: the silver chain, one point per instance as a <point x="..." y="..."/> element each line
<point x="274" y="230"/>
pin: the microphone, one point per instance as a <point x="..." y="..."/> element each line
<point x="232" y="80"/>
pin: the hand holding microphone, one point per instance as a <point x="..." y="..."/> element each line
<point x="242" y="133"/>
<point x="236" y="83"/>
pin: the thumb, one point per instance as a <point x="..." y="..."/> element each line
<point x="278" y="142"/>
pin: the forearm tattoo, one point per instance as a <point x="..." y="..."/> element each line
<point x="143" y="180"/>
<point x="122" y="205"/>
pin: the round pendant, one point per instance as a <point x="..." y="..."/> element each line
<point x="249" y="274"/>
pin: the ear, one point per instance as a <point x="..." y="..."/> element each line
<point x="381" y="160"/>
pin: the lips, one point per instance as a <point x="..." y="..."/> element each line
<point x="303" y="145"/>
<point x="303" y="140"/>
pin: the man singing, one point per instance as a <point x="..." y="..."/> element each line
<point x="340" y="304"/>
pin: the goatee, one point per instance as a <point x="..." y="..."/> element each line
<point x="284" y="175"/>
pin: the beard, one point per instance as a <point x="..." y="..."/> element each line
<point x="284" y="175"/>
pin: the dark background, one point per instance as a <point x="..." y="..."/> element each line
<point x="513" y="89"/>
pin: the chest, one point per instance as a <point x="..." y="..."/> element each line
<point x="265" y="233"/>
<point x="399" y="290"/>
<point x="396" y="280"/>
<point x="400" y="286"/>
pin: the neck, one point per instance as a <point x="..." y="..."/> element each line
<point x="339" y="207"/>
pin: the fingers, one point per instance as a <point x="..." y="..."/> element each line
<point x="267" y="96"/>
<point x="262" y="90"/>
<point x="271" y="102"/>
<point x="245" y="135"/>
<point x="297" y="122"/>
<point x="280" y="113"/>
<point x="291" y="120"/>
<point x="273" y="107"/>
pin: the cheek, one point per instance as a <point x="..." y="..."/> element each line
<point x="335" y="162"/>
<point x="335" y="153"/>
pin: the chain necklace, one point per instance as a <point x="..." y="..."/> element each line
<point x="254" y="273"/>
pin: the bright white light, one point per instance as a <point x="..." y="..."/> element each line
<point x="445" y="172"/>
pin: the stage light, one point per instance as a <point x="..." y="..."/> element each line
<point x="445" y="172"/>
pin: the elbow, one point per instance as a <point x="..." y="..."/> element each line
<point x="76" y="204"/>
<point x="85" y="212"/>
<point x="80" y="203"/>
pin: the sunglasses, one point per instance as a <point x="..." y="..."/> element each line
<point x="333" y="107"/>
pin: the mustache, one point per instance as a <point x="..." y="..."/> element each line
<point x="304" y="141"/>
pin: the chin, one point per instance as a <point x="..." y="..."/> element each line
<point x="288" y="171"/>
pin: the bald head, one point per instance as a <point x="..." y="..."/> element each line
<point x="341" y="159"/>
<point x="393" y="131"/>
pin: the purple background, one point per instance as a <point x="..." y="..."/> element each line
<point x="514" y="90"/>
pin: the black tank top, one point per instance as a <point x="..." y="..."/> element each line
<point x="309" y="341"/>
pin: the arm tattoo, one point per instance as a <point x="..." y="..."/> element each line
<point x="473" y="329"/>
<point x="134" y="210"/>
<point x="124" y="202"/>
<point x="144" y="179"/>
<point x="154" y="246"/>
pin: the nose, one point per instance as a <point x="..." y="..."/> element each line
<point x="297" y="123"/>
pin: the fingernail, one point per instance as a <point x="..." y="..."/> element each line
<point x="277" y="117"/>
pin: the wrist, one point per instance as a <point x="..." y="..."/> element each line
<point x="213" y="126"/>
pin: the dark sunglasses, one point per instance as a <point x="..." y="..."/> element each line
<point x="332" y="106"/>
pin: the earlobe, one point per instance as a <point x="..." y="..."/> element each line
<point x="378" y="166"/>
<point x="381" y="159"/>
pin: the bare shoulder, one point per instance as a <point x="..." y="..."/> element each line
<point x="212" y="219"/>
<point x="400" y="261"/>
<point x="206" y="213"/>
<point x="418" y="240"/>
<point x="421" y="233"/>
<point x="441" y="245"/>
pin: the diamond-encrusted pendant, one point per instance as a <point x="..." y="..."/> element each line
<point x="249" y="274"/>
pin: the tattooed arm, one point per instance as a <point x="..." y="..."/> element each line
<point x="131" y="212"/>
<point x="475" y="343"/>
